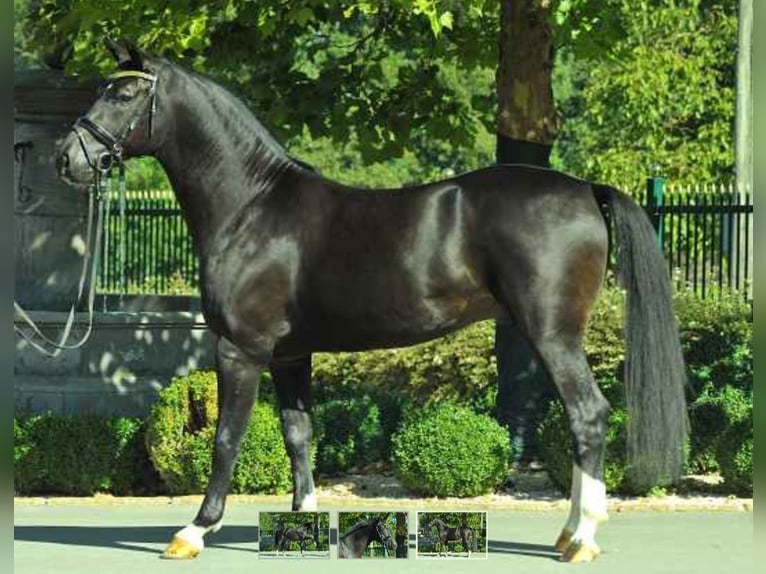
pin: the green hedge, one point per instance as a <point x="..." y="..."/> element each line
<point x="80" y="455"/>
<point x="716" y="334"/>
<point x="735" y="452"/>
<point x="181" y="433"/>
<point x="349" y="434"/>
<point x="451" y="451"/>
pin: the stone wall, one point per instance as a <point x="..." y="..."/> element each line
<point x="130" y="356"/>
<point x="49" y="215"/>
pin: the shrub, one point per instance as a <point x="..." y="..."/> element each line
<point x="181" y="433"/>
<point x="349" y="434"/>
<point x="604" y="342"/>
<point x="556" y="444"/>
<point x="716" y="334"/>
<point x="458" y="368"/>
<point x="451" y="451"/>
<point x="735" y="454"/>
<point x="712" y="415"/>
<point x="77" y="455"/>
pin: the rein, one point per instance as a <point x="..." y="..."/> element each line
<point x="98" y="206"/>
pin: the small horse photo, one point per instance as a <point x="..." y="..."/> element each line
<point x="372" y="535"/>
<point x="452" y="535"/>
<point x="294" y="535"/>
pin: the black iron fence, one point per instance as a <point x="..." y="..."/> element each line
<point x="148" y="247"/>
<point x="706" y="234"/>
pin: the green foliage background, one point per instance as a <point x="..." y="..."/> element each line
<point x="402" y="91"/>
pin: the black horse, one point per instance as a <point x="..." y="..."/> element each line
<point x="447" y="534"/>
<point x="292" y="263"/>
<point x="283" y="536"/>
<point x="356" y="540"/>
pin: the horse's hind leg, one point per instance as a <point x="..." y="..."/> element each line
<point x="292" y="383"/>
<point x="238" y="378"/>
<point x="588" y="412"/>
<point x="551" y="304"/>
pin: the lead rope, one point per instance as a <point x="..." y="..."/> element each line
<point x="101" y="210"/>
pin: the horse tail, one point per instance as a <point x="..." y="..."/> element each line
<point x="473" y="540"/>
<point x="655" y="377"/>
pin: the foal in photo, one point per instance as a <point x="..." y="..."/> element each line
<point x="292" y="263"/>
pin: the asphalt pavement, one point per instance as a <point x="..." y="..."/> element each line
<point x="82" y="538"/>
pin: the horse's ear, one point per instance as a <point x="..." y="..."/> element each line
<point x="137" y="57"/>
<point x="127" y="55"/>
<point x="119" y="52"/>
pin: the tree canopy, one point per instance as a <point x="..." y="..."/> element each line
<point x="660" y="102"/>
<point x="402" y="91"/>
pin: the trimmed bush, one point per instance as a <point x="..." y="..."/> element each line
<point x="716" y="334"/>
<point x="79" y="455"/>
<point x="556" y="444"/>
<point x="181" y="433"/>
<point x="349" y="434"/>
<point x="735" y="454"/>
<point x="451" y="451"/>
<point x="712" y="416"/>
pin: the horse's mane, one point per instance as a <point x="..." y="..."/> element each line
<point x="245" y="116"/>
<point x="360" y="525"/>
<point x="262" y="152"/>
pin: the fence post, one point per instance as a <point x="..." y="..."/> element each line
<point x="655" y="189"/>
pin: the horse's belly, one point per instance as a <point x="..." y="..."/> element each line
<point x="371" y="326"/>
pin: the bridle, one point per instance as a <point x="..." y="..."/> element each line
<point x="387" y="537"/>
<point x="101" y="190"/>
<point x="114" y="144"/>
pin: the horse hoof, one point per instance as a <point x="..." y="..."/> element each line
<point x="580" y="552"/>
<point x="563" y="541"/>
<point x="180" y="549"/>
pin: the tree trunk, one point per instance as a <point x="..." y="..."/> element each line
<point x="527" y="124"/>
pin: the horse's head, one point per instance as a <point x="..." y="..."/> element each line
<point x="121" y="124"/>
<point x="384" y="534"/>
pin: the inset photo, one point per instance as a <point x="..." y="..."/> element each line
<point x="294" y="535"/>
<point x="452" y="535"/>
<point x="372" y="534"/>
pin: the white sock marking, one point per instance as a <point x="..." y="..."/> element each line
<point x="194" y="535"/>
<point x="592" y="508"/>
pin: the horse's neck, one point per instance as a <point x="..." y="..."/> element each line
<point x="218" y="157"/>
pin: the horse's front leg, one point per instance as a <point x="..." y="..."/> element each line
<point x="238" y="377"/>
<point x="292" y="382"/>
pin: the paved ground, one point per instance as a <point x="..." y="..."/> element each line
<point x="115" y="538"/>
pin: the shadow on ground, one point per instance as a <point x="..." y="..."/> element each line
<point x="135" y="538"/>
<point x="522" y="549"/>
